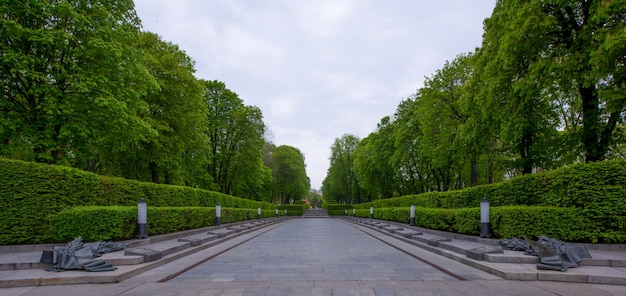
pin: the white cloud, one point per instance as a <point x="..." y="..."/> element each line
<point x="319" y="68"/>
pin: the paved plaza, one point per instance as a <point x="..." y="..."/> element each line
<point x="316" y="257"/>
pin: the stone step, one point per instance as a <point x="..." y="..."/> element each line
<point x="315" y="213"/>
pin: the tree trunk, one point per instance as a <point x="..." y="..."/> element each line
<point x="526" y="154"/>
<point x="153" y="172"/>
<point x="591" y="124"/>
<point x="473" y="172"/>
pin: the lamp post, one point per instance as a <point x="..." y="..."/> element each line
<point x="218" y="214"/>
<point x="412" y="220"/>
<point x="371" y="212"/>
<point x="484" y="218"/>
<point x="142" y="219"/>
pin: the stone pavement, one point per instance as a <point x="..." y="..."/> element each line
<point x="317" y="257"/>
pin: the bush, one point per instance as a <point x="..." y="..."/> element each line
<point x="563" y="223"/>
<point x="511" y="221"/>
<point x="336" y="209"/>
<point x="30" y="193"/>
<point x="596" y="191"/>
<point x="95" y="223"/>
<point x="293" y="210"/>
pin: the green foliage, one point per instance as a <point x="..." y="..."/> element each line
<point x="374" y="172"/>
<point x="289" y="181"/>
<point x="31" y="192"/>
<point x="594" y="193"/>
<point x="120" y="223"/>
<point x="316" y="200"/>
<point x="563" y="223"/>
<point x="235" y="132"/>
<point x="341" y="183"/>
<point x="93" y="223"/>
<point x="178" y="114"/>
<point x="293" y="210"/>
<point x="335" y="209"/>
<point x="509" y="221"/>
<point x="72" y="80"/>
<point x="545" y="90"/>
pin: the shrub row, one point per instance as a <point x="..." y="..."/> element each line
<point x="510" y="221"/>
<point x="578" y="185"/>
<point x="595" y="190"/>
<point x="293" y="210"/>
<point x="95" y="223"/>
<point x="336" y="209"/>
<point x="31" y="192"/>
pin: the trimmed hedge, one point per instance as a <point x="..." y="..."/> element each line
<point x="95" y="223"/>
<point x="510" y="221"/>
<point x="31" y="192"/>
<point x="595" y="192"/>
<point x="578" y="185"/>
<point x="292" y="210"/>
<point x="336" y="209"/>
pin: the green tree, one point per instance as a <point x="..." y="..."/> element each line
<point x="316" y="200"/>
<point x="72" y="79"/>
<point x="568" y="51"/>
<point x="410" y="159"/>
<point x="177" y="113"/>
<point x="439" y="105"/>
<point x="341" y="183"/>
<point x="290" y="182"/>
<point x="372" y="165"/>
<point x="235" y="133"/>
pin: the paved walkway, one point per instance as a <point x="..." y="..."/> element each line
<point x="315" y="257"/>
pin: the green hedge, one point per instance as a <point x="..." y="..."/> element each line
<point x="94" y="223"/>
<point x="596" y="191"/>
<point x="31" y="192"/>
<point x="336" y="209"/>
<point x="578" y="186"/>
<point x="293" y="210"/>
<point x="506" y="222"/>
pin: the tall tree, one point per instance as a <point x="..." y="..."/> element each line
<point x="72" y="79"/>
<point x="410" y="159"/>
<point x="439" y="104"/>
<point x="372" y="165"/>
<point x="178" y="114"/>
<point x="575" y="46"/>
<point x="341" y="183"/>
<point x="289" y="177"/>
<point x="235" y="133"/>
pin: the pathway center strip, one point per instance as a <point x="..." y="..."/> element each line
<point x="173" y="275"/>
<point x="440" y="268"/>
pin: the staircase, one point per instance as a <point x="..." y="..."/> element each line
<point x="315" y="213"/>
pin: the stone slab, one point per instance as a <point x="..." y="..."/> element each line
<point x="222" y="232"/>
<point x="479" y="253"/>
<point x="250" y="225"/>
<point x="392" y="228"/>
<point x="381" y="225"/>
<point x="407" y="233"/>
<point x="148" y="254"/>
<point x="435" y="240"/>
<point x="511" y="257"/>
<point x="194" y="241"/>
<point x="237" y="228"/>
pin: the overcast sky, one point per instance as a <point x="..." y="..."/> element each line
<point x="319" y="69"/>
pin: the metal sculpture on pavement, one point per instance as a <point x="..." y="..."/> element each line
<point x="77" y="256"/>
